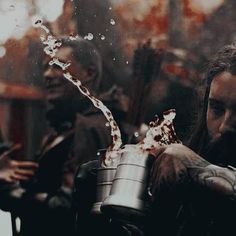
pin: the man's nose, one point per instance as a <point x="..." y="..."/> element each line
<point x="228" y="123"/>
<point x="48" y="73"/>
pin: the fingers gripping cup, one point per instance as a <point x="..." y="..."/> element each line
<point x="128" y="195"/>
<point x="105" y="176"/>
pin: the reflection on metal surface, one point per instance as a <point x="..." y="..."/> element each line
<point x="128" y="195"/>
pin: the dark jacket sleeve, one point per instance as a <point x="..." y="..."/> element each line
<point x="91" y="134"/>
<point x="84" y="195"/>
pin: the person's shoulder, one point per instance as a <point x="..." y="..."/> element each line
<point x="87" y="170"/>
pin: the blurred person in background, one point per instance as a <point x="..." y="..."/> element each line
<point x="12" y="171"/>
<point x="76" y="131"/>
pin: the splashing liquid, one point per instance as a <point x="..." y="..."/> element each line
<point x="51" y="47"/>
<point x="161" y="132"/>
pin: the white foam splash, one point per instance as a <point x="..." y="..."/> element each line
<point x="51" y="45"/>
<point x="161" y="132"/>
<point x="71" y="37"/>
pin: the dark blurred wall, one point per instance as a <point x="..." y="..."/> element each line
<point x="21" y="94"/>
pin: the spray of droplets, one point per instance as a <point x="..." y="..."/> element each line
<point x="161" y="132"/>
<point x="71" y="37"/>
<point x="51" y="47"/>
<point x="115" y="131"/>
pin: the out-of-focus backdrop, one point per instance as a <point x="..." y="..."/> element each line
<point x="188" y="30"/>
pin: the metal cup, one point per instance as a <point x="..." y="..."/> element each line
<point x="128" y="196"/>
<point x="105" y="176"/>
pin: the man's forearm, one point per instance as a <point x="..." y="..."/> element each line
<point x="218" y="179"/>
<point x="170" y="169"/>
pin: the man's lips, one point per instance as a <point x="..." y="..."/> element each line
<point x="53" y="82"/>
<point x="54" y="90"/>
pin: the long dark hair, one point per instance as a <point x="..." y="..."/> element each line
<point x="224" y="60"/>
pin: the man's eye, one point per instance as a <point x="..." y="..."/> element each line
<point x="217" y="109"/>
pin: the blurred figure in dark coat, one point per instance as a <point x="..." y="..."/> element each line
<point x="76" y="131"/>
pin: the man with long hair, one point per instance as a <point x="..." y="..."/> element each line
<point x="193" y="189"/>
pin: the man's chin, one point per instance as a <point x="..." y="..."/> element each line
<point x="53" y="97"/>
<point x="221" y="151"/>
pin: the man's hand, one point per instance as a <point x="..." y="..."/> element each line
<point x="170" y="168"/>
<point x="12" y="171"/>
<point x="176" y="165"/>
<point x="218" y="179"/>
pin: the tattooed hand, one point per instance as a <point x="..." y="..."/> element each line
<point x="170" y="168"/>
<point x="219" y="179"/>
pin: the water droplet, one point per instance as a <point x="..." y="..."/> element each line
<point x="113" y="58"/>
<point x="102" y="37"/>
<point x="2" y="51"/>
<point x="127" y="62"/>
<point x="112" y="22"/>
<point x="38" y="22"/>
<point x="89" y="36"/>
<point x="107" y="124"/>
<point x="110" y="8"/>
<point x="136" y="134"/>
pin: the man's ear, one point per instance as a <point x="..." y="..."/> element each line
<point x="91" y="71"/>
<point x="91" y="74"/>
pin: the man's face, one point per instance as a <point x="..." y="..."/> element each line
<point x="221" y="119"/>
<point x="221" y="112"/>
<point x="57" y="87"/>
